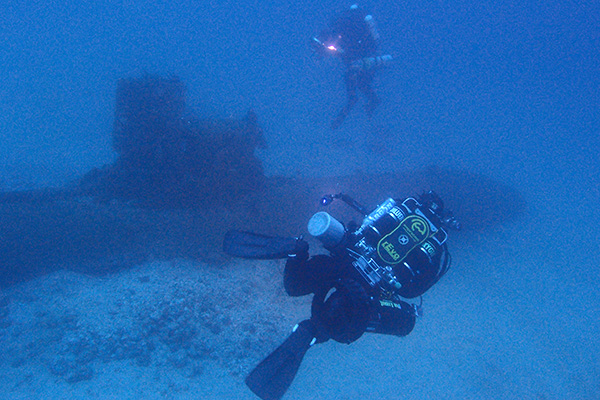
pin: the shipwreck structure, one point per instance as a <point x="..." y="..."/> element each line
<point x="168" y="157"/>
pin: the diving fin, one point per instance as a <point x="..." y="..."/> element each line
<point x="274" y="375"/>
<point x="256" y="246"/>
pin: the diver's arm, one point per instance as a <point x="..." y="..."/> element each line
<point x="303" y="275"/>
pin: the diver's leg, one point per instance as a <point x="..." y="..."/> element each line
<point x="365" y="84"/>
<point x="351" y="99"/>
<point x="274" y="375"/>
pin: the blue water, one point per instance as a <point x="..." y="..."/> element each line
<point x="504" y="89"/>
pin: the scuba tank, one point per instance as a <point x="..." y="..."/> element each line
<point x="372" y="27"/>
<point x="368" y="63"/>
<point x="399" y="249"/>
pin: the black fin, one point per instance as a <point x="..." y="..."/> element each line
<point x="274" y="375"/>
<point x="257" y="246"/>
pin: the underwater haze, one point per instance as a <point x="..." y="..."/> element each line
<point x="508" y="90"/>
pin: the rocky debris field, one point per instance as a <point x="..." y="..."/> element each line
<point x="175" y="315"/>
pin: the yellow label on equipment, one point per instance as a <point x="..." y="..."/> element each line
<point x="410" y="232"/>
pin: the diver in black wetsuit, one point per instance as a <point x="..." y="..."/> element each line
<point x="397" y="253"/>
<point x="353" y="37"/>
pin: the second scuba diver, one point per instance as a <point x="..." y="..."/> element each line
<point x="353" y="37"/>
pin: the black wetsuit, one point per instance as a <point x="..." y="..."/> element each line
<point x="348" y="298"/>
<point x="355" y="310"/>
<point x="353" y="37"/>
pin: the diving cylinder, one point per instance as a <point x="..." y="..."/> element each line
<point x="326" y="228"/>
<point x="384" y="59"/>
<point x="372" y="28"/>
<point x="377" y="213"/>
<point x="367" y="63"/>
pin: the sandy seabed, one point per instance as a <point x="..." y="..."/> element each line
<point x="163" y="329"/>
<point x="182" y="329"/>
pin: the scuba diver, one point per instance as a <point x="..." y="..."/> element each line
<point x="364" y="284"/>
<point x="353" y="37"/>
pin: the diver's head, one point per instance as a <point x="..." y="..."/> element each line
<point x="433" y="202"/>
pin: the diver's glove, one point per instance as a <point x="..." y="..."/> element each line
<point x="300" y="251"/>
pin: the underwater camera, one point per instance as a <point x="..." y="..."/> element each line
<point x="399" y="249"/>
